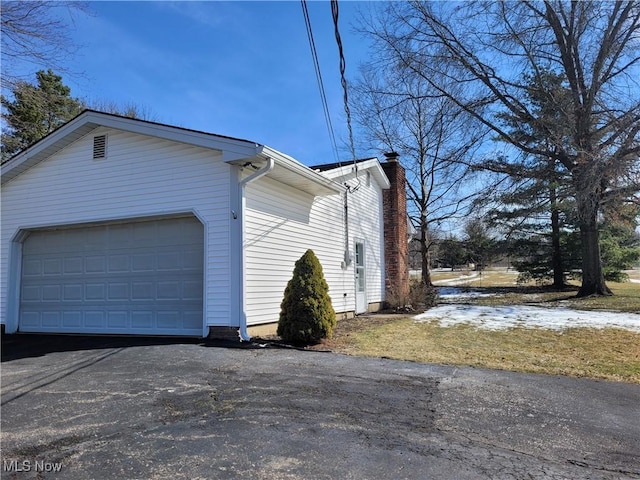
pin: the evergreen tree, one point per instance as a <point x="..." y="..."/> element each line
<point x="619" y="241"/>
<point x="452" y="252"/>
<point x="534" y="205"/>
<point x="533" y="257"/>
<point x="480" y="246"/>
<point x="35" y="111"/>
<point x="619" y="244"/>
<point x="306" y="314"/>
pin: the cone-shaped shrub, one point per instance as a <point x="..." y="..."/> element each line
<point x="306" y="313"/>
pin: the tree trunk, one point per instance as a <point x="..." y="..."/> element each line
<point x="593" y="282"/>
<point x="556" y="255"/>
<point x="424" y="253"/>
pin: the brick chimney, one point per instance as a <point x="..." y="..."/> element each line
<point x="396" y="245"/>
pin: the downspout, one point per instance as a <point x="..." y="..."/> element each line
<point x="244" y="334"/>
<point x="347" y="253"/>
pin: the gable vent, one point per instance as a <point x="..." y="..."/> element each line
<point x="99" y="146"/>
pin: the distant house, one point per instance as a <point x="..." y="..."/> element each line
<point x="112" y="225"/>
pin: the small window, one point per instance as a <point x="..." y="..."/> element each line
<point x="99" y="146"/>
<point x="368" y="178"/>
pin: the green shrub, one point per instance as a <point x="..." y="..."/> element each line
<point x="306" y="313"/>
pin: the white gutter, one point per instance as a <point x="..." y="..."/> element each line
<point x="288" y="163"/>
<point x="244" y="334"/>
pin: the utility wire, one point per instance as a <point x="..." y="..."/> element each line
<point x="343" y="80"/>
<point x="316" y="64"/>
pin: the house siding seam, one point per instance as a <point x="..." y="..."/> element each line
<point x="140" y="177"/>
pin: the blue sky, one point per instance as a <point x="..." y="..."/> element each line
<point x="241" y="69"/>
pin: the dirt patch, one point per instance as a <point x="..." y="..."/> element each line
<point x="343" y="334"/>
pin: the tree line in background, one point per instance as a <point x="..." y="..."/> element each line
<point x="480" y="246"/>
<point x="524" y="116"/>
<point x="35" y="110"/>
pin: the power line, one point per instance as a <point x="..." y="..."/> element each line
<point x="343" y="80"/>
<point x="316" y="64"/>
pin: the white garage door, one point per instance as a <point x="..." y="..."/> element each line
<point x="129" y="278"/>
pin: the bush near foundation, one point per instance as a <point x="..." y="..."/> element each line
<point x="306" y="313"/>
<point x="420" y="298"/>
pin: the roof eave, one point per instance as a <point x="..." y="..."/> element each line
<point x="350" y="170"/>
<point x="89" y="120"/>
<point x="290" y="172"/>
<point x="233" y="150"/>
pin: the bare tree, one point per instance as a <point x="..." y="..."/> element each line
<point x="400" y="112"/>
<point x="489" y="47"/>
<point x="127" y="109"/>
<point x="36" y="32"/>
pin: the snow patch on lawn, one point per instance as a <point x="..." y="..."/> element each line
<point x="497" y="318"/>
<point x="457" y="293"/>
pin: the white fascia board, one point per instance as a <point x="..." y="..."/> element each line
<point x="178" y="134"/>
<point x="87" y="121"/>
<point x="348" y="171"/>
<point x="311" y="181"/>
<point x="55" y="141"/>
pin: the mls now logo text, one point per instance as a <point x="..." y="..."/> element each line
<point x="29" y="466"/>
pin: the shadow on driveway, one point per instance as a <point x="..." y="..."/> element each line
<point x="27" y="345"/>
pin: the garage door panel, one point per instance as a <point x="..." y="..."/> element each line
<point x="119" y="279"/>
<point x="71" y="319"/>
<point x="29" y="319"/>
<point x="169" y="261"/>
<point x="31" y="267"/>
<point x="95" y="264"/>
<point x="142" y="291"/>
<point x="31" y="294"/>
<point x="52" y="266"/>
<point x="118" y="263"/>
<point x="142" y="319"/>
<point x="118" y="319"/>
<point x="94" y="292"/>
<point x="51" y="293"/>
<point x="94" y="319"/>
<point x="73" y="292"/>
<point x="51" y="319"/>
<point x="192" y="319"/>
<point x="73" y="265"/>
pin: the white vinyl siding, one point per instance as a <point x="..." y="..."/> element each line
<point x="282" y="222"/>
<point x="140" y="177"/>
<point x="366" y="223"/>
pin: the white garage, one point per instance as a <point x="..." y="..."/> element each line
<point x="113" y="225"/>
<point x="121" y="278"/>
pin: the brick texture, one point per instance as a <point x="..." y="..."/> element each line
<point x="396" y="245"/>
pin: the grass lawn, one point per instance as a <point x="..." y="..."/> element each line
<point x="625" y="298"/>
<point x="611" y="354"/>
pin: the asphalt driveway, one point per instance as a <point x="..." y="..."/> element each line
<point x="108" y="408"/>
